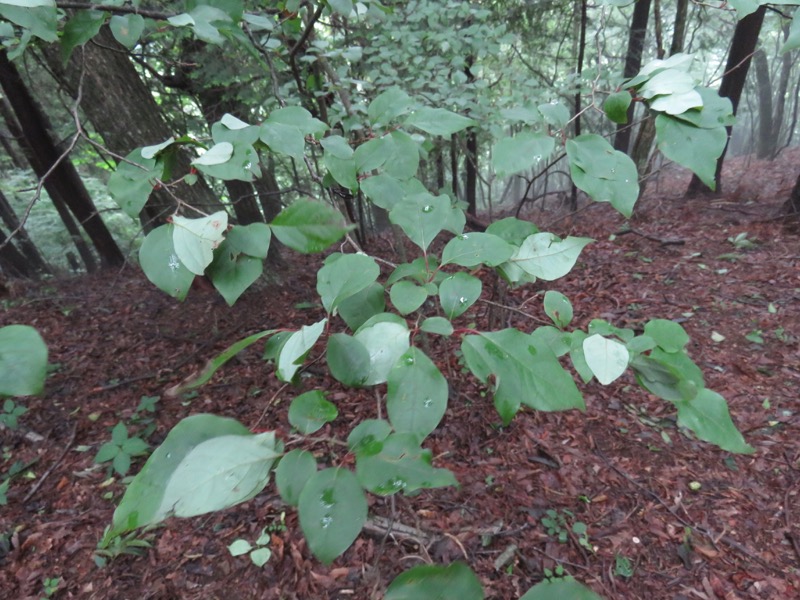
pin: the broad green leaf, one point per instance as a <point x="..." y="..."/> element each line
<point x="345" y="276"/>
<point x="547" y="257"/>
<point x="558" y="341"/>
<point x="438" y="325"/>
<point x="455" y="581"/>
<point x="404" y="160"/>
<point x="695" y="148"/>
<point x="235" y="124"/>
<point x="669" y="335"/>
<point x="422" y="217"/>
<point x="607" y="358"/>
<point x="127" y="29"/>
<point x="212" y="366"/>
<point x="673" y="377"/>
<point x="80" y="29"/>
<point x="310" y="411"/>
<point x="145" y="500"/>
<point x="359" y="308"/>
<point x="348" y="360"/>
<point x="458" y="292"/>
<point x="512" y="230"/>
<point x="239" y="547"/>
<point x="133" y="181"/>
<point x="716" y="111"/>
<point x="23" y="361"/>
<point x="607" y="175"/>
<point x="473" y="249"/>
<point x="367" y="437"/>
<point x="675" y="104"/>
<point x="555" y="113"/>
<point x="260" y="556"/>
<point x="385" y="341"/>
<point x="372" y="154"/>
<point x="560" y="589"/>
<point x="296" y="348"/>
<point x="387" y="106"/>
<point x="679" y="61"/>
<point x="332" y="511"/>
<point x="342" y="170"/>
<point x="298" y="117"/>
<point x="308" y="226"/>
<point x="668" y="82"/>
<point x="243" y="164"/>
<point x="523" y="373"/>
<point x="216" y="155"/>
<point x="407" y="296"/>
<point x="232" y="273"/>
<point x="292" y="473"/>
<point x="195" y="239"/>
<point x="161" y="264"/>
<point x="707" y="416"/>
<point x="438" y="121"/>
<point x="383" y="190"/>
<point x="283" y="139"/>
<point x="744" y="7"/>
<point x="524" y="151"/>
<point x="577" y="357"/>
<point x="616" y="106"/>
<point x="401" y="465"/>
<point x="416" y="397"/>
<point x="603" y="327"/>
<point x="419" y="270"/>
<point x="40" y="20"/>
<point x="252" y="239"/>
<point x="558" y="307"/>
<point x="149" y="152"/>
<point x="336" y="145"/>
<point x="343" y="7"/>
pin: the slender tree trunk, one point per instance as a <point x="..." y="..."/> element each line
<point x="454" y="163"/>
<point x="679" y="30"/>
<point x="792" y="206"/>
<point x="26" y="246"/>
<point x="6" y="141"/>
<point x="125" y="115"/>
<point x="766" y="142"/>
<point x="633" y="62"/>
<point x="12" y="262"/>
<point x="63" y="182"/>
<point x="745" y="39"/>
<point x="780" y="97"/>
<point x="573" y="197"/>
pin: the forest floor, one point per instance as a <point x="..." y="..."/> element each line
<point x="666" y="516"/>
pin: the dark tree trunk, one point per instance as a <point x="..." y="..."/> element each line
<point x="12" y="261"/>
<point x="745" y="38"/>
<point x="573" y="196"/>
<point x="125" y="115"/>
<point x="63" y="182"/>
<point x="780" y="95"/>
<point x="7" y="140"/>
<point x="792" y="205"/>
<point x="633" y="62"/>
<point x="454" y="163"/>
<point x="26" y="246"/>
<point x="679" y="30"/>
<point x="766" y="142"/>
<point x="471" y="158"/>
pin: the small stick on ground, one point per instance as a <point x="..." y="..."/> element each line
<point x="52" y="468"/>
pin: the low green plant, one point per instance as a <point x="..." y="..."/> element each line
<point x="111" y="547"/>
<point x="740" y="241"/>
<point x="50" y="585"/>
<point x="11" y="413"/>
<point x="623" y="566"/>
<point x="121" y="449"/>
<point x="258" y="551"/>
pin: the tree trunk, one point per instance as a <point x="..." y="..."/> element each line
<point x="26" y="246"/>
<point x="745" y="38"/>
<point x="679" y="30"/>
<point x="62" y="182"/>
<point x="12" y="261"/>
<point x="633" y="62"/>
<point x="792" y="205"/>
<point x="780" y="95"/>
<point x="125" y="115"/>
<point x="573" y="196"/>
<point x="454" y="163"/>
<point x="766" y="142"/>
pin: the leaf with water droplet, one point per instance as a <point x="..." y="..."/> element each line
<point x="453" y="289"/>
<point x="476" y="249"/>
<point x="416" y="396"/>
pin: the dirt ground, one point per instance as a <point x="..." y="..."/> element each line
<point x="666" y="516"/>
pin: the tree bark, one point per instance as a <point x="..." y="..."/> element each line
<point x="633" y="62"/>
<point x="745" y="38"/>
<point x="26" y="246"/>
<point x="766" y="143"/>
<point x="63" y="183"/>
<point x="573" y="196"/>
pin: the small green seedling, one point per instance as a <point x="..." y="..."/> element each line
<point x="108" y="550"/>
<point x="741" y="242"/>
<point x="259" y="553"/>
<point x="50" y="585"/>
<point x="11" y="413"/>
<point x="121" y="449"/>
<point x="623" y="566"/>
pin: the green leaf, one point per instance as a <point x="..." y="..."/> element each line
<point x="416" y="398"/>
<point x="372" y="154"/>
<point x="122" y="463"/>
<point x="577" y="357"/>
<point x="744" y="7"/>
<point x="107" y="452"/>
<point x="716" y="111"/>
<point x="367" y="437"/>
<point x="23" y="361"/>
<point x="161" y="265"/>
<point x="401" y="465"/>
<point x="383" y="190"/>
<point x="283" y="139"/>
<point x="40" y="18"/>
<point x="232" y="273"/>
<point x="216" y="155"/>
<point x="387" y="106"/>
<point x="560" y="589"/>
<point x="555" y="113"/>
<point x="707" y="416"/>
<point x="547" y="257"/>
<point x="607" y="358"/>
<point x="253" y="239"/>
<point x="133" y="181"/>
<point x="385" y="341"/>
<point x="616" y="106"/>
<point x="345" y="276"/>
<point x="260" y="556"/>
<point x="239" y="547"/>
<point x="332" y="511"/>
<point x="343" y="7"/>
<point x="348" y="360"/>
<point x="512" y="230"/>
<point x="422" y="217"/>
<point x="695" y="148"/>
<point x="310" y="411"/>
<point x="295" y="349"/>
<point x="458" y="292"/>
<point x="308" y="226"/>
<point x="404" y="161"/>
<point x="558" y="307"/>
<point x="435" y="582"/>
<point x="523" y="373"/>
<point x="195" y="239"/>
<point x="607" y="175"/>
<point x="438" y="325"/>
<point x="670" y="336"/>
<point x="342" y="170"/>
<point x="407" y="296"/>
<point x="473" y="249"/>
<point x="79" y="30"/>
<point x="206" y="463"/>
<point x="298" y="117"/>
<point x="359" y="308"/>
<point x="521" y="152"/>
<point x="127" y="29"/>
<point x="336" y="145"/>
<point x="438" y="121"/>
